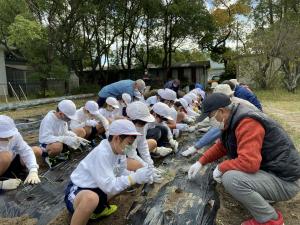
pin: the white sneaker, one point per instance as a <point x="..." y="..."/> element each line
<point x="163" y="151"/>
<point x="189" y="151"/>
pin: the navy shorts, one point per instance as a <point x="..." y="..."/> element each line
<point x="72" y="190"/>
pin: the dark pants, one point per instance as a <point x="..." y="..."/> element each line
<point x="101" y="101"/>
<point x="15" y="169"/>
<point x="160" y="134"/>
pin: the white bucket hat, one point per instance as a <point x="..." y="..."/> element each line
<point x="224" y="89"/>
<point x="163" y="110"/>
<point x="213" y="85"/>
<point x="188" y="99"/>
<point x="92" y="107"/>
<point x="168" y="94"/>
<point x="7" y="127"/>
<point x="184" y="103"/>
<point x="126" y="98"/>
<point x="68" y="108"/>
<point x="112" y="102"/>
<point x="122" y="127"/>
<point x="139" y="111"/>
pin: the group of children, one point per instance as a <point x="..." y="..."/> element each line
<point x="133" y="131"/>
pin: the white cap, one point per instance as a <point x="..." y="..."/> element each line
<point x="160" y="92"/>
<point x="122" y="127"/>
<point x="213" y="85"/>
<point x="224" y="89"/>
<point x="184" y="103"/>
<point x="112" y="102"/>
<point x="92" y="107"/>
<point x="234" y="81"/>
<point x="139" y="111"/>
<point x="193" y="96"/>
<point x="188" y="99"/>
<point x="126" y="98"/>
<point x="168" y="94"/>
<point x="163" y="110"/>
<point x="7" y="127"/>
<point x="68" y="108"/>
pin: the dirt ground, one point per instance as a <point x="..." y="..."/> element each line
<point x="230" y="212"/>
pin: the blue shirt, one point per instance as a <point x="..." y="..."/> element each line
<point x="117" y="89"/>
<point x="243" y="93"/>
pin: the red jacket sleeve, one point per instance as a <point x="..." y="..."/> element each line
<point x="250" y="135"/>
<point x="215" y="152"/>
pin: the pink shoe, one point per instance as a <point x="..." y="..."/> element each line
<point x="279" y="221"/>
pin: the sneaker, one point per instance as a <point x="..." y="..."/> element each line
<point x="106" y="212"/>
<point x="50" y="161"/>
<point x="189" y="151"/>
<point x="279" y="221"/>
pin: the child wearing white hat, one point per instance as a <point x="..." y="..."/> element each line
<point x="15" y="153"/>
<point x="111" y="109"/>
<point x="160" y="130"/>
<point x="102" y="174"/>
<point x="124" y="100"/>
<point x="89" y="122"/>
<point x="54" y="132"/>
<point x="139" y="114"/>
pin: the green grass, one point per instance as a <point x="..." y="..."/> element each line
<point x="287" y="103"/>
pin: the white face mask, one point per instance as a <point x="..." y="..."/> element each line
<point x="215" y="123"/>
<point x="127" y="149"/>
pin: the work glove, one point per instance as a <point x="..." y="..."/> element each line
<point x="191" y="129"/>
<point x="71" y="141"/>
<point x="194" y="169"/>
<point x="174" y="144"/>
<point x="91" y="123"/>
<point x="32" y="177"/>
<point x="10" y="184"/>
<point x="83" y="141"/>
<point x="182" y="126"/>
<point x="163" y="151"/>
<point x="142" y="175"/>
<point x="191" y="150"/>
<point x="217" y="175"/>
<point x="157" y="175"/>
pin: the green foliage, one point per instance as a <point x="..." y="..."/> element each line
<point x="85" y="89"/>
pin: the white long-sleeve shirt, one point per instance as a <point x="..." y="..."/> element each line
<point x="53" y="129"/>
<point x="82" y="118"/>
<point x="109" y="115"/>
<point x="191" y="112"/>
<point x="141" y="145"/>
<point x="17" y="146"/>
<point x="102" y="169"/>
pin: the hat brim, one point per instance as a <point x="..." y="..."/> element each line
<point x="74" y="117"/>
<point x="202" y="117"/>
<point x="169" y="118"/>
<point x="128" y="133"/>
<point x="148" y="119"/>
<point x="95" y="113"/>
<point x="115" y="106"/>
<point x="9" y="133"/>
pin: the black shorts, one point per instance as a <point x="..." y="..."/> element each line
<point x="15" y="169"/>
<point x="72" y="190"/>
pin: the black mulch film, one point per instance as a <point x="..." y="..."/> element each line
<point x="175" y="201"/>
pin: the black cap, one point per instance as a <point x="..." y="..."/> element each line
<point x="213" y="102"/>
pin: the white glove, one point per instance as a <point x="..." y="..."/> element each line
<point x="182" y="126"/>
<point x="217" y="174"/>
<point x="174" y="144"/>
<point x="142" y="175"/>
<point x="91" y="123"/>
<point x="194" y="169"/>
<point x="71" y="141"/>
<point x="191" y="150"/>
<point x="83" y="141"/>
<point x="10" y="184"/>
<point x="163" y="151"/>
<point x="32" y="177"/>
<point x="191" y="129"/>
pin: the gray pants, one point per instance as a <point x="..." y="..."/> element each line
<point x="253" y="191"/>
